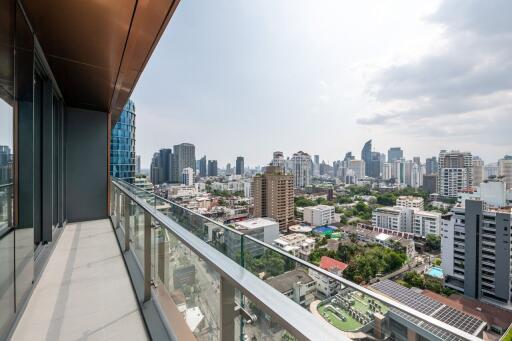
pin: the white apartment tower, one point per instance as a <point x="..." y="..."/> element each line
<point x="455" y="173"/>
<point x="301" y="169"/>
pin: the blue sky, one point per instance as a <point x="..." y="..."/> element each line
<point x="251" y="77"/>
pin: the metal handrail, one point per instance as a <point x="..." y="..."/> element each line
<point x="296" y="320"/>
<point x="6" y="185"/>
<point x="385" y="299"/>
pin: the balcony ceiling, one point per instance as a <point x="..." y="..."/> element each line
<point x="97" y="49"/>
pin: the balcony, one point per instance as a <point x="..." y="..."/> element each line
<point x="191" y="278"/>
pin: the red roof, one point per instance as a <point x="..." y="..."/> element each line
<point x="328" y="263"/>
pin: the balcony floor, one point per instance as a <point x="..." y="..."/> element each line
<point x="84" y="292"/>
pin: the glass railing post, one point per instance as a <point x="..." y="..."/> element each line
<point x="147" y="256"/>
<point x="227" y="310"/>
<point x="126" y="208"/>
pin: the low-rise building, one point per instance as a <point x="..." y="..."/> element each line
<point x="263" y="229"/>
<point x="393" y="218"/>
<point x="319" y="215"/>
<point x="410" y="201"/>
<point x="296" y="284"/>
<point x="297" y="244"/>
<point x="325" y="285"/>
<point x="425" y="223"/>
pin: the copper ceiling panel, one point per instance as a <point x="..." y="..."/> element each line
<point x="98" y="48"/>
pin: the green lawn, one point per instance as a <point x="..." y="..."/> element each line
<point x="350" y="324"/>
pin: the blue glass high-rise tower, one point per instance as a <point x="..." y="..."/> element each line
<point x="122" y="145"/>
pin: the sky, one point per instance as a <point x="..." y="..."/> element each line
<point x="252" y="77"/>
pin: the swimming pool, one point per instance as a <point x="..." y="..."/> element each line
<point x="435" y="272"/>
<point x="324" y="229"/>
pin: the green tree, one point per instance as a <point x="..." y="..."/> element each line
<point x="433" y="242"/>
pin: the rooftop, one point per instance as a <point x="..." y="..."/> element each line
<point x="328" y="263"/>
<point x="284" y="282"/>
<point x="255" y="223"/>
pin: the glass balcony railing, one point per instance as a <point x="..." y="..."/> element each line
<point x="215" y="283"/>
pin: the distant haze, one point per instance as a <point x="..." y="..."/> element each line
<point x="252" y="77"/>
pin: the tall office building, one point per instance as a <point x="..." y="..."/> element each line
<point x="358" y="168"/>
<point x="5" y="164"/>
<point x="273" y="196"/>
<point x="374" y="165"/>
<point x="430" y="183"/>
<point x="122" y="145"/>
<point x="165" y="158"/>
<point x="239" y="170"/>
<point x="317" y="159"/>
<point x="417" y="160"/>
<point x="395" y="153"/>
<point x="478" y="171"/>
<point x="137" y="164"/>
<point x="366" y="156"/>
<point x="431" y="165"/>
<point x="301" y="169"/>
<point x="476" y="251"/>
<point x="455" y="173"/>
<point x="212" y="168"/>
<point x="203" y="167"/>
<point x="184" y="156"/>
<point x="505" y="170"/>
<point x="154" y="169"/>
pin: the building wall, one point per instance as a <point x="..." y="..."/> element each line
<point x="122" y="145"/>
<point x="86" y="161"/>
<point x="472" y="242"/>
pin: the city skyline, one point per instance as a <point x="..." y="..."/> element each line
<point x="331" y="91"/>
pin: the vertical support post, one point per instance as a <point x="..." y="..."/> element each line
<point x="227" y="310"/>
<point x="126" y="209"/>
<point x="147" y="256"/>
<point x="10" y="223"/>
<point x="118" y="207"/>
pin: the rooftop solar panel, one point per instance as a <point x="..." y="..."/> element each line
<point x="431" y="307"/>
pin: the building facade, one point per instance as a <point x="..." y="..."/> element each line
<point x="212" y="168"/>
<point x="395" y="153"/>
<point x="184" y="156"/>
<point x="319" y="215"/>
<point x="455" y="173"/>
<point x="302" y="167"/>
<point x="366" y="156"/>
<point x="273" y="196"/>
<point x="122" y="145"/>
<point x="476" y="251"/>
<point x="187" y="176"/>
<point x="505" y="171"/>
<point x="203" y="167"/>
<point x="239" y="167"/>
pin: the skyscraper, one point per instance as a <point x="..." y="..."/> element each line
<point x="137" y="164"/>
<point x="366" y="156"/>
<point x="455" y="173"/>
<point x="301" y="169"/>
<point x="122" y="145"/>
<point x="395" y="153"/>
<point x="5" y="164"/>
<point x="203" y="171"/>
<point x="431" y="165"/>
<point x="184" y="156"/>
<point x="273" y="196"/>
<point x="478" y="170"/>
<point x="164" y="161"/>
<point x="212" y="167"/>
<point x="374" y="165"/>
<point x="239" y="165"/>
<point x="317" y="159"/>
<point x="505" y="170"/>
<point x="154" y="169"/>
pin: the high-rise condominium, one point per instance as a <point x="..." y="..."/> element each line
<point x="278" y="160"/>
<point x="203" y="171"/>
<point x="478" y="170"/>
<point x="476" y="251"/>
<point x="137" y="164"/>
<point x="184" y="156"/>
<point x="212" y="168"/>
<point x="154" y="169"/>
<point x="165" y="158"/>
<point x="455" y="173"/>
<point x="5" y="164"/>
<point x="317" y="159"/>
<point x="187" y="176"/>
<point x="239" y="170"/>
<point x="505" y="170"/>
<point x="301" y="169"/>
<point x="273" y="196"/>
<point x="395" y="153"/>
<point x="366" y="156"/>
<point x="122" y="145"/>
